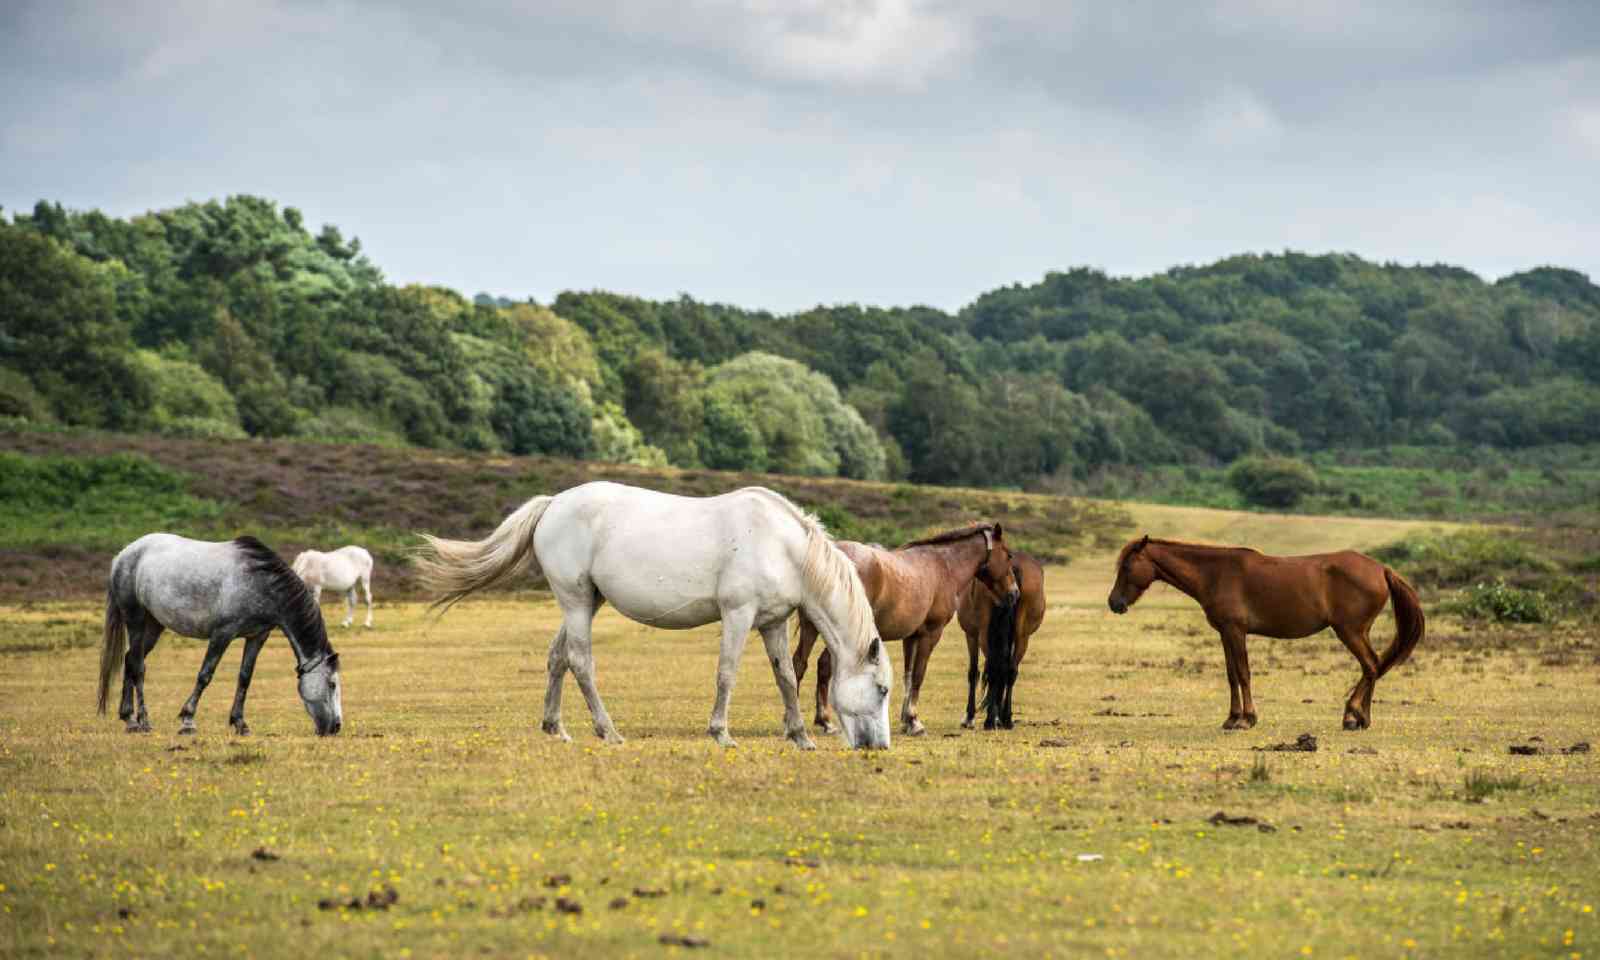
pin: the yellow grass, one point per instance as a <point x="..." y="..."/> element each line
<point x="955" y="844"/>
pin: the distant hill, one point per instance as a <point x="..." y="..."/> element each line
<point x="232" y="318"/>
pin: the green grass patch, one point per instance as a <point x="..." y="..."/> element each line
<point x="1481" y="784"/>
<point x="96" y="502"/>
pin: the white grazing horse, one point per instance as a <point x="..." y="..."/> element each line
<point x="749" y="558"/>
<point x="338" y="571"/>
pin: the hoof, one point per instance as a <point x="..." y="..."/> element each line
<point x="187" y="730"/>
<point x="369" y="625"/>
<point x="915" y="729"/>
<point x="803" y="740"/>
<point x="1007" y="725"/>
<point x="610" y="736"/>
<point x="828" y="727"/>
<point x="968" y="724"/>
<point x="345" y="624"/>
<point x="722" y="737"/>
<point x="241" y="728"/>
<point x="557" y="730"/>
<point x="1232" y="723"/>
<point x="1247" y="721"/>
<point x="136" y="727"/>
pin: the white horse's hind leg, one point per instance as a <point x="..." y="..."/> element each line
<point x="349" y="606"/>
<point x="366" y="588"/>
<point x="776" y="637"/>
<point x="736" y="626"/>
<point x="552" y="692"/>
<point x="578" y="619"/>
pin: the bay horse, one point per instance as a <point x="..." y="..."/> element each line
<point x="913" y="591"/>
<point x="215" y="592"/>
<point x="1244" y="591"/>
<point x="746" y="558"/>
<point x="1001" y="630"/>
<point x="341" y="571"/>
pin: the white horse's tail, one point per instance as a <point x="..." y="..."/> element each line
<point x="456" y="568"/>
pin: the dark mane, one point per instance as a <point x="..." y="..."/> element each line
<point x="300" y="610"/>
<point x="949" y="536"/>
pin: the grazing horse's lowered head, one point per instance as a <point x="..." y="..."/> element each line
<point x="861" y="699"/>
<point x="1135" y="572"/>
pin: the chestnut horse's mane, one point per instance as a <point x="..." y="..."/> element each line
<point x="1133" y="545"/>
<point x="950" y="536"/>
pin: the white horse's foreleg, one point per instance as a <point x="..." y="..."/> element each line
<point x="736" y="626"/>
<point x="552" y="691"/>
<point x="366" y="588"/>
<point x="349" y="606"/>
<point x="580" y="660"/>
<point x="776" y="637"/>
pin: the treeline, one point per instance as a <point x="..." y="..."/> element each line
<point x="232" y="319"/>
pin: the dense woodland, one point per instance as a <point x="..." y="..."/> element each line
<point x="232" y="318"/>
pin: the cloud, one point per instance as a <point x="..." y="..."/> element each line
<point x="780" y="154"/>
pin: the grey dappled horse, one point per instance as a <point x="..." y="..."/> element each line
<point x="215" y="592"/>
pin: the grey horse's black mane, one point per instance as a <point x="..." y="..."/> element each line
<point x="300" y="609"/>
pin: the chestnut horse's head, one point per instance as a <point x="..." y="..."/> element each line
<point x="995" y="572"/>
<point x="1135" y="572"/>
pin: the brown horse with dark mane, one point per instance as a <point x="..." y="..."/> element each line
<point x="1244" y="591"/>
<point x="913" y="590"/>
<point x="1001" y="630"/>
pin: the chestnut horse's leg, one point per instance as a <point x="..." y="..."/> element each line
<point x="973" y="639"/>
<point x="922" y="644"/>
<point x="1241" y="670"/>
<point x="1358" y="709"/>
<point x="1229" y="654"/>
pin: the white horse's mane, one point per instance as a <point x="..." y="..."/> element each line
<point x="828" y="571"/>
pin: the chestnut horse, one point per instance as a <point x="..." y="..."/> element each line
<point x="1244" y="591"/>
<point x="913" y="591"/>
<point x="1001" y="630"/>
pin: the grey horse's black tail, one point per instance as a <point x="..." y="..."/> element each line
<point x="998" y="671"/>
<point x="112" y="648"/>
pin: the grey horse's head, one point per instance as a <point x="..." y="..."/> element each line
<point x="321" y="692"/>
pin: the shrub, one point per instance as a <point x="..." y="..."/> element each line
<point x="1503" y="603"/>
<point x="1272" y="481"/>
<point x="1469" y="556"/>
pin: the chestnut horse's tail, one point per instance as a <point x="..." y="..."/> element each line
<point x="1408" y="621"/>
<point x="112" y="647"/>
<point x="998" y="669"/>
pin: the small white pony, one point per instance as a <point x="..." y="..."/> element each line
<point x="339" y="571"/>
<point x="749" y="558"/>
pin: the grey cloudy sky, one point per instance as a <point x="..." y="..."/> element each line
<point x="781" y="154"/>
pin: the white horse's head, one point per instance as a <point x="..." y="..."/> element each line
<point x="860" y="695"/>
<point x="322" y="693"/>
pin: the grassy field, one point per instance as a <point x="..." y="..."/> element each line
<point x="1088" y="830"/>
